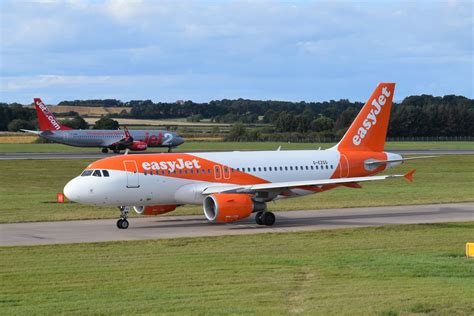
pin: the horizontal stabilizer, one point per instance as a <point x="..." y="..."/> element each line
<point x="382" y="162"/>
<point x="30" y="131"/>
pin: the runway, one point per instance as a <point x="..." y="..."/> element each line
<point x="98" y="155"/>
<point x="42" y="233"/>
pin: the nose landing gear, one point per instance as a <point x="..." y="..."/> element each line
<point x="122" y="223"/>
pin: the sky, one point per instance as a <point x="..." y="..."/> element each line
<point x="211" y="50"/>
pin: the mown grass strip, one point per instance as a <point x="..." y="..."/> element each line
<point x="386" y="270"/>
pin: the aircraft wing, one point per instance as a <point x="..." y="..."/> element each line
<point x="282" y="186"/>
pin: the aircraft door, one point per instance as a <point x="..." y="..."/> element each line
<point x="217" y="172"/>
<point x="344" y="166"/>
<point x="132" y="174"/>
<point x="226" y="172"/>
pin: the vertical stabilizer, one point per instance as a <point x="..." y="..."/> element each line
<point x="369" y="129"/>
<point x="46" y="119"/>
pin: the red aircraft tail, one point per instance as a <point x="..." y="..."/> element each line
<point x="46" y="119"/>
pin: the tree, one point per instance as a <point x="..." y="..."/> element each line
<point x="106" y="123"/>
<point x="237" y="132"/>
<point x="17" y="124"/>
<point x="322" y="123"/>
<point x="77" y="122"/>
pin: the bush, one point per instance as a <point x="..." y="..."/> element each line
<point x="17" y="124"/>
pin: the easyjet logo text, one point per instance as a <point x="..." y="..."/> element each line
<point x="171" y="165"/>
<point x="49" y="115"/>
<point x="371" y="119"/>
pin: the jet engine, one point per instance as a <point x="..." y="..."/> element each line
<point x="154" y="209"/>
<point x="138" y="146"/>
<point x="226" y="208"/>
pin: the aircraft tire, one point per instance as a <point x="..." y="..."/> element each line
<point x="124" y="224"/>
<point x="268" y="218"/>
<point x="258" y="218"/>
<point x="116" y="151"/>
<point x="105" y="150"/>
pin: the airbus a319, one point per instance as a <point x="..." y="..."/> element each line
<point x="232" y="185"/>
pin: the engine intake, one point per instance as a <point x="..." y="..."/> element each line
<point x="138" y="146"/>
<point x="226" y="208"/>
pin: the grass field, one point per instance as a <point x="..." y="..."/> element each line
<point x="211" y="146"/>
<point x="393" y="270"/>
<point x="28" y="190"/>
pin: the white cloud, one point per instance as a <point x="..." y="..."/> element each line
<point x="278" y="46"/>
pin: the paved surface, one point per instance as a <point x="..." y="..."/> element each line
<point x="98" y="155"/>
<point x="197" y="226"/>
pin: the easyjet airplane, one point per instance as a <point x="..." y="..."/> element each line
<point x="233" y="185"/>
<point x="135" y="140"/>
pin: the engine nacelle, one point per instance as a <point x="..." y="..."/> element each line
<point x="154" y="209"/>
<point x="138" y="146"/>
<point x="226" y="208"/>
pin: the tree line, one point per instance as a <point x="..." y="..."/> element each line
<point x="415" y="116"/>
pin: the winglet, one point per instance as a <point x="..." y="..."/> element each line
<point x="409" y="175"/>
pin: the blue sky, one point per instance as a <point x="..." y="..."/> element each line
<point x="208" y="50"/>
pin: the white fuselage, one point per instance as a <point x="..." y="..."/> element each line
<point x="172" y="185"/>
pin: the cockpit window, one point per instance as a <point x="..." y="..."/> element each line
<point x="97" y="173"/>
<point x="106" y="173"/>
<point x="86" y="173"/>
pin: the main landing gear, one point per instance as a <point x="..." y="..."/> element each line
<point x="105" y="150"/>
<point x="122" y="223"/>
<point x="265" y="218"/>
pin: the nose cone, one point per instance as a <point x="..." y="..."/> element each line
<point x="71" y="191"/>
<point x="178" y="141"/>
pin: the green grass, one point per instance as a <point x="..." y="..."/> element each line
<point x="28" y="190"/>
<point x="210" y="146"/>
<point x="393" y="270"/>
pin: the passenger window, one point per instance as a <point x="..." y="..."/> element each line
<point x="327" y="167"/>
<point x="96" y="173"/>
<point x="254" y="169"/>
<point x="307" y="168"/>
<point x="296" y="168"/>
<point x="291" y="168"/>
<point x="269" y="168"/>
<point x="332" y="167"/>
<point x="105" y="173"/>
<point x="286" y="168"/>
<point x="86" y="173"/>
<point x="312" y="167"/>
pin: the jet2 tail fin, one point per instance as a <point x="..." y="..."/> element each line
<point x="46" y="119"/>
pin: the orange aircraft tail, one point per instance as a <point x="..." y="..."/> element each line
<point x="369" y="129"/>
<point x="46" y="119"/>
